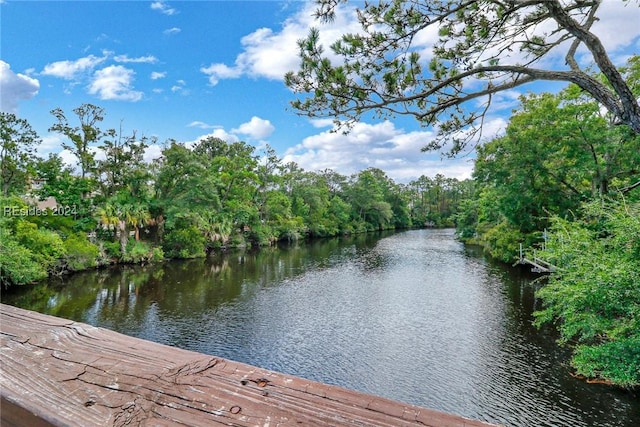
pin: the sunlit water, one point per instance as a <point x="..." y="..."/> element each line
<point x="413" y="316"/>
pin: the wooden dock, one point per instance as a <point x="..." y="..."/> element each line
<point x="56" y="372"/>
<point x="538" y="265"/>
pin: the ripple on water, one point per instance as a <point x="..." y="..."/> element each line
<point x="414" y="317"/>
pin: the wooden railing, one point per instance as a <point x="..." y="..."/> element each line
<point x="538" y="265"/>
<point x="56" y="372"/>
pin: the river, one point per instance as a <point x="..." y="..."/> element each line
<point x="413" y="316"/>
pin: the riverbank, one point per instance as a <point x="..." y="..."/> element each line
<point x="414" y="316"/>
<point x="101" y="255"/>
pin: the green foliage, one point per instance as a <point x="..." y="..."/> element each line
<point x="123" y="166"/>
<point x="467" y="219"/>
<point x="82" y="137"/>
<point x="17" y="153"/>
<point x="141" y="252"/>
<point x="502" y="241"/>
<point x="18" y="265"/>
<point x="69" y="190"/>
<point x="558" y="151"/>
<point x="112" y="251"/>
<point x="595" y="294"/>
<point x="616" y="361"/>
<point x="196" y="200"/>
<point x="184" y="243"/>
<point x="379" y="71"/>
<point x="261" y="235"/>
<point x="62" y="224"/>
<point x="45" y="245"/>
<point x="80" y="253"/>
<point x="435" y="201"/>
<point x="157" y="254"/>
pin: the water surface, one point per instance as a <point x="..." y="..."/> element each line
<point x="413" y="316"/>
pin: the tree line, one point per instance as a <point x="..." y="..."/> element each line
<point x="567" y="167"/>
<point x="117" y="208"/>
<point x="564" y="180"/>
<point x="564" y="177"/>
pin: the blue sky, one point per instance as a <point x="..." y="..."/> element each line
<point x="187" y="69"/>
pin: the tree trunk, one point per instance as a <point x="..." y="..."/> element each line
<point x="124" y="237"/>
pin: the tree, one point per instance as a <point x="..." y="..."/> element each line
<point x="557" y="151"/>
<point x="67" y="188"/>
<point x="484" y="47"/>
<point x="82" y="136"/>
<point x="187" y="197"/>
<point x="123" y="165"/>
<point x="367" y="193"/>
<point x="594" y="296"/>
<point x="18" y="142"/>
<point x="19" y="265"/>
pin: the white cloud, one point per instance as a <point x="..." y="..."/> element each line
<point x="617" y="26"/>
<point x="114" y="83"/>
<point x="152" y="153"/>
<point x="270" y="54"/>
<point x="256" y="128"/>
<point x="380" y="145"/>
<point x="163" y="7"/>
<point x="321" y="123"/>
<point x="180" y="88"/>
<point x="171" y="31"/>
<point x="70" y="70"/>
<point x="505" y="101"/>
<point x="149" y="59"/>
<point x="217" y="133"/>
<point x="69" y="159"/>
<point x="155" y="75"/>
<point x="217" y="72"/>
<point x="15" y="87"/>
<point x="202" y="125"/>
<point x="50" y="143"/>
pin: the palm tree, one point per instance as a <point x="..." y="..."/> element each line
<point x="120" y="217"/>
<point x="107" y="216"/>
<point x="136" y="216"/>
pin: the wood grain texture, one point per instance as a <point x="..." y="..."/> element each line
<point x="56" y="372"/>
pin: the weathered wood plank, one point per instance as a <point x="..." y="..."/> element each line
<point x="537" y="265"/>
<point x="56" y="372"/>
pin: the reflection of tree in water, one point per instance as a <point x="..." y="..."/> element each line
<point x="121" y="297"/>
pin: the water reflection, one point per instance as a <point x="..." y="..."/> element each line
<point x="414" y="316"/>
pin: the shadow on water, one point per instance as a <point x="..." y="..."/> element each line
<point x="413" y="316"/>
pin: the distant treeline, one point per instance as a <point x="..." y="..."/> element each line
<point x="216" y="194"/>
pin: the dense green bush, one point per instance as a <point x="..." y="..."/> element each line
<point x="137" y="252"/>
<point x="112" y="250"/>
<point x="594" y="296"/>
<point x="184" y="243"/>
<point x="18" y="265"/>
<point x="467" y="220"/>
<point x="81" y="254"/>
<point x="61" y="224"/>
<point x="46" y="246"/>
<point x="261" y="235"/>
<point x="502" y="241"/>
